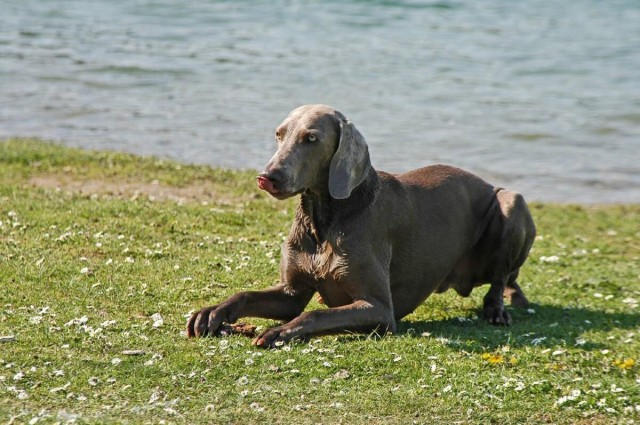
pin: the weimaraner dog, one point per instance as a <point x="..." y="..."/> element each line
<point x="375" y="245"/>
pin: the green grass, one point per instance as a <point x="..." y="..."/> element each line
<point x="86" y="268"/>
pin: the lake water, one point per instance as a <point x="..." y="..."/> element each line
<point x="542" y="96"/>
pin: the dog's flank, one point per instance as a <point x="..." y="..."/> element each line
<point x="373" y="245"/>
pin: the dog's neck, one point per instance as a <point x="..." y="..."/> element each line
<point x="320" y="212"/>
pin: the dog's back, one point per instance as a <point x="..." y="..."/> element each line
<point x="451" y="230"/>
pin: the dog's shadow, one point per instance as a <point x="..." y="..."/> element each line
<point x="539" y="325"/>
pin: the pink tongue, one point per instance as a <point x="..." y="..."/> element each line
<point x="265" y="184"/>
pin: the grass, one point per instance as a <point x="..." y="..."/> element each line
<point x="102" y="253"/>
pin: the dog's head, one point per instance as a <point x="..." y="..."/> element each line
<point x="318" y="150"/>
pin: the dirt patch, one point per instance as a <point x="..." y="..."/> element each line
<point x="154" y="191"/>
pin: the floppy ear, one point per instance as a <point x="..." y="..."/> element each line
<point x="350" y="164"/>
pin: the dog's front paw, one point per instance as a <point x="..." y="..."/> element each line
<point x="274" y="337"/>
<point x="210" y="321"/>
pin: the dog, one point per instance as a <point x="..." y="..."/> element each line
<point x="375" y="245"/>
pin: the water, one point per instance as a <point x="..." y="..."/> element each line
<point x="540" y="96"/>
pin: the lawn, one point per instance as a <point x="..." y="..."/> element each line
<point x="103" y="256"/>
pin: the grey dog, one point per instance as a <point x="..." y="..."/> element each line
<point x="372" y="244"/>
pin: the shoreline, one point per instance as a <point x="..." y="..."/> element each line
<point x="154" y="189"/>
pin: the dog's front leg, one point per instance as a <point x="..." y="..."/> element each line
<point x="278" y="303"/>
<point x="360" y="316"/>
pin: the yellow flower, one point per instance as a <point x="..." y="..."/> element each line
<point x="493" y="358"/>
<point x="624" y="364"/>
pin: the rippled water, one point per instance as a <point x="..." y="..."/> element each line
<point x="542" y="96"/>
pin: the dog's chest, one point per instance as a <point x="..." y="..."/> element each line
<point x="320" y="261"/>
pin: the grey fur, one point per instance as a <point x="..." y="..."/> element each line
<point x="372" y="244"/>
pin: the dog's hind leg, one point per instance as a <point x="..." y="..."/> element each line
<point x="493" y="307"/>
<point x="513" y="292"/>
<point x="516" y="237"/>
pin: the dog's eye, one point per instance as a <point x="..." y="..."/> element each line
<point x="278" y="135"/>
<point x="312" y="137"/>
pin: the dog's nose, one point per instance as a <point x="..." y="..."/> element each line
<point x="274" y="176"/>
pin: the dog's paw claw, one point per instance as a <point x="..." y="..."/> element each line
<point x="272" y="338"/>
<point x="497" y="316"/>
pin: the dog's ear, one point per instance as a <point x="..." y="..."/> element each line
<point x="350" y="164"/>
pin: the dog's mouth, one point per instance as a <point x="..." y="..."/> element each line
<point x="267" y="185"/>
<point x="264" y="183"/>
